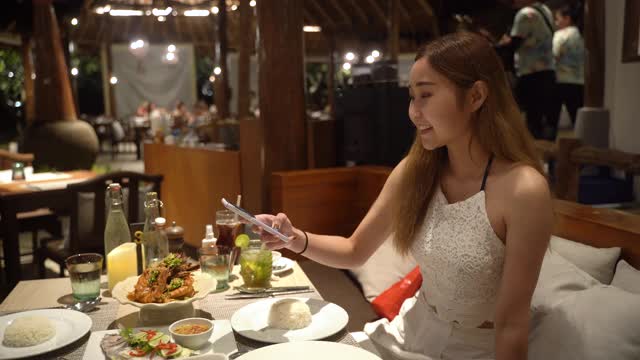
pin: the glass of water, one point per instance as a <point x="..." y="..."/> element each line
<point x="84" y="271"/>
<point x="216" y="261"/>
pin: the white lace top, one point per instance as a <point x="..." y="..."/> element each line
<point x="461" y="260"/>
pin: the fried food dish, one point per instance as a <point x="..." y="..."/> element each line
<point x="166" y="281"/>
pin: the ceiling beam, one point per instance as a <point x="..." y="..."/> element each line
<point x="340" y="10"/>
<point x="378" y="11"/>
<point x="361" y="14"/>
<point x="314" y="20"/>
<point x="322" y="12"/>
<point x="431" y="16"/>
<point x="406" y="16"/>
<point x="426" y="8"/>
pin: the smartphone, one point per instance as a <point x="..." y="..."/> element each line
<point x="252" y="219"/>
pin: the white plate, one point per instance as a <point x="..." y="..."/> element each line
<point x="70" y="326"/>
<point x="221" y="341"/>
<point x="202" y="283"/>
<point x="309" y="350"/>
<point x="252" y="321"/>
<point x="288" y="265"/>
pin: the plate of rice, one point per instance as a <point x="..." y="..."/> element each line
<point x="281" y="320"/>
<point x="37" y="332"/>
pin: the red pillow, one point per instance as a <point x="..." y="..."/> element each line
<point x="389" y="302"/>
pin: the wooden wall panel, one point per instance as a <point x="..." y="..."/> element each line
<point x="195" y="180"/>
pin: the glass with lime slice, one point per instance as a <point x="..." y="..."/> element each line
<point x="255" y="265"/>
<point x="242" y="241"/>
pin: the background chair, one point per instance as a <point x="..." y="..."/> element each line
<point x="32" y="221"/>
<point x="88" y="215"/>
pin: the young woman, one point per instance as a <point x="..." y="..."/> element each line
<point x="469" y="202"/>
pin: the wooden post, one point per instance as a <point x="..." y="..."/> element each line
<point x="244" y="59"/>
<point x="393" y="31"/>
<point x="54" y="101"/>
<point x="331" y="75"/>
<point x="594" y="28"/>
<point x="27" y="63"/>
<point x="107" y="87"/>
<point x="222" y="79"/>
<point x="281" y="79"/>
<point x="567" y="172"/>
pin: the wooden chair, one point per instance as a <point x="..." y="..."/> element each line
<point x="32" y="221"/>
<point x="92" y="239"/>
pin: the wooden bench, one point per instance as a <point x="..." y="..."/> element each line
<point x="570" y="155"/>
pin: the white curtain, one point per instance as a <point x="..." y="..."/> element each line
<point x="152" y="77"/>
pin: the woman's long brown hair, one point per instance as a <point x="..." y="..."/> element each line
<point x="463" y="58"/>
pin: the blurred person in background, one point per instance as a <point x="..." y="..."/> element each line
<point x="531" y="40"/>
<point x="568" y="51"/>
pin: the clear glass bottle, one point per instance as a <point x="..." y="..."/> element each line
<point x="116" y="234"/>
<point x="116" y="230"/>
<point x="155" y="245"/>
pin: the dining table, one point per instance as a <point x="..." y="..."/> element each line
<point x="38" y="191"/>
<point x="109" y="314"/>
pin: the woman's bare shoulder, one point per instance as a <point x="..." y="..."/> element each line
<point x="522" y="181"/>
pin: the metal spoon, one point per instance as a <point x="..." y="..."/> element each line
<point x="84" y="306"/>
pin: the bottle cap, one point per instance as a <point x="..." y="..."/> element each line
<point x="209" y="238"/>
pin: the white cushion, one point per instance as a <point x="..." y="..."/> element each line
<point x="602" y="322"/>
<point x="383" y="269"/>
<point x="558" y="280"/>
<point x="626" y="278"/>
<point x="597" y="262"/>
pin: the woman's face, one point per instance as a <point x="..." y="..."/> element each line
<point x="435" y="109"/>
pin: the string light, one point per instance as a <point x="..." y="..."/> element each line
<point x="113" y="80"/>
<point x="346" y="66"/>
<point x="217" y="70"/>
<point x="74" y="71"/>
<point x="252" y="3"/>
<point x="234" y="7"/>
<point x="171" y="48"/>
<point x="74" y="21"/>
<point x="162" y="18"/>
<point x="215" y="10"/>
<point x="196" y="13"/>
<point x="350" y="56"/>
<point x="375" y="54"/>
<point x="369" y="59"/>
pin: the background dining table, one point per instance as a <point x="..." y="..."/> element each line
<point x="44" y="191"/>
<point x="39" y="294"/>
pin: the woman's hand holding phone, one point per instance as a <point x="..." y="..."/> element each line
<point x="281" y="223"/>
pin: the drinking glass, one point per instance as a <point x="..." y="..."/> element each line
<point x="84" y="271"/>
<point x="215" y="261"/>
<point x="255" y="266"/>
<point x="228" y="227"/>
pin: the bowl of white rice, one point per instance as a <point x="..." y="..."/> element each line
<point x="28" y="331"/>
<point x="289" y="314"/>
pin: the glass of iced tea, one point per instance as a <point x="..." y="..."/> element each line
<point x="84" y="271"/>
<point x="255" y="266"/>
<point x="228" y="227"/>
